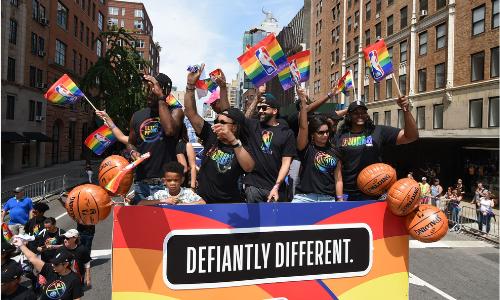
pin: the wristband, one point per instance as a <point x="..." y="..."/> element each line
<point x="190" y="88"/>
<point x="113" y="126"/>
<point x="330" y="95"/>
<point x="339" y="197"/>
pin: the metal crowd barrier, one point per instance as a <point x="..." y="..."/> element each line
<point x="41" y="190"/>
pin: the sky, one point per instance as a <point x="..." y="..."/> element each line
<point x="211" y="32"/>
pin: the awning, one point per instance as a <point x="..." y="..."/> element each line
<point x="36" y="136"/>
<point x="13" y="137"/>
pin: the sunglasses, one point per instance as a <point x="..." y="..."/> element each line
<point x="217" y="121"/>
<point x="262" y="107"/>
<point x="323" y="132"/>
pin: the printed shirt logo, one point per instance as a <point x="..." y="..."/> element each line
<point x="267" y="138"/>
<point x="222" y="159"/>
<point x="266" y="61"/>
<point x="36" y="229"/>
<point x="56" y="289"/>
<point x="324" y="162"/>
<point x="151" y="130"/>
<point x="51" y="241"/>
<point x="356" y="141"/>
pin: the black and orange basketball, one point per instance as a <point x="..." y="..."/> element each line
<point x="376" y="179"/>
<point x="427" y="223"/>
<point x="108" y="170"/>
<point x="88" y="204"/>
<point x="403" y="196"/>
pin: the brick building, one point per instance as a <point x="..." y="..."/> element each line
<point x="445" y="58"/>
<point x="134" y="18"/>
<point x="45" y="39"/>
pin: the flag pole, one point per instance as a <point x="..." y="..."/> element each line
<point x="90" y="102"/>
<point x="397" y="88"/>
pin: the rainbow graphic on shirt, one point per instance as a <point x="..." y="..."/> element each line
<point x="356" y="141"/>
<point x="267" y="138"/>
<point x="56" y="289"/>
<point x="64" y="91"/>
<point x="172" y="102"/>
<point x="100" y="140"/>
<point x="324" y="162"/>
<point x="222" y="159"/>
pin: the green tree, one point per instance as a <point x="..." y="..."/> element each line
<point x="114" y="81"/>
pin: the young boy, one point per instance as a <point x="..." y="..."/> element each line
<point x="174" y="193"/>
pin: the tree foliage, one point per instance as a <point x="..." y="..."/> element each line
<point x="114" y="81"/>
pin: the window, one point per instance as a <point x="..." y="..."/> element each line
<point x="477" y="66"/>
<point x="402" y="51"/>
<point x="348" y="49"/>
<point x="476" y="113"/>
<point x="376" y="89"/>
<point x="368" y="10"/>
<point x="122" y="23"/>
<point x="83" y="4"/>
<point x="93" y="11"/>
<point x="378" y="30"/>
<point x="390" y="25"/>
<point x="440" y="76"/>
<point x="356" y="18"/>
<point x="11" y="105"/>
<point x="349" y="23"/>
<point x="389" y="50"/>
<point x="366" y="93"/>
<point x="367" y="37"/>
<point x="403" y="13"/>
<point x="388" y="88"/>
<point x="478" y="20"/>
<point x="14" y="3"/>
<point x="112" y="22"/>
<point x="35" y="9"/>
<point x="87" y="36"/>
<point x="39" y="107"/>
<point x="32" y="76"/>
<point x="113" y="11"/>
<point x="375" y="118"/>
<point x="41" y="11"/>
<point x="138" y="13"/>
<point x="387" y="118"/>
<point x="438" y="116"/>
<point x="62" y="15"/>
<point x="11" y="69"/>
<point x="100" y="19"/>
<point x="74" y="60"/>
<point x="355" y="76"/>
<point x="81" y="31"/>
<point x="92" y="39"/>
<point x="421" y="117"/>
<point x="60" y="55"/>
<point x="34" y="43"/>
<point x="75" y="26"/>
<point x="41" y="43"/>
<point x="402" y="84"/>
<point x="494" y="64"/>
<point x="31" y="114"/>
<point x="356" y="44"/>
<point x="401" y="119"/>
<point x="378" y="6"/>
<point x="440" y="4"/>
<point x="349" y="3"/>
<point x="495" y="15"/>
<point x="422" y="80"/>
<point x="123" y="11"/>
<point x="80" y="63"/>
<point x="493" y="112"/>
<point x="98" y="48"/>
<point x="440" y="36"/>
<point x="137" y="24"/>
<point x="13" y="31"/>
<point x="422" y="43"/>
<point x="337" y="55"/>
<point x="423" y="5"/>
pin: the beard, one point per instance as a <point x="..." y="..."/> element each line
<point x="264" y="118"/>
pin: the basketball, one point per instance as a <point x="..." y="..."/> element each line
<point x="427" y="223"/>
<point x="108" y="170"/>
<point x="375" y="179"/>
<point x="403" y="196"/>
<point x="88" y="204"/>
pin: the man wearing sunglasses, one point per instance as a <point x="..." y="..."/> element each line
<point x="81" y="263"/>
<point x="273" y="146"/>
<point x="225" y="157"/>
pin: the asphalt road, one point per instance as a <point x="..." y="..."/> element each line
<point x="459" y="267"/>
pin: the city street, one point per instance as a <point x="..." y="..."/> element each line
<point x="458" y="267"/>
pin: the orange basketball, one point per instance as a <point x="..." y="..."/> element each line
<point x="403" y="196"/>
<point x="108" y="170"/>
<point x="88" y="204"/>
<point x="375" y="179"/>
<point x="427" y="223"/>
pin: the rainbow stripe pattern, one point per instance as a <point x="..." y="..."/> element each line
<point x="172" y="102"/>
<point x="114" y="183"/>
<point x="378" y="59"/>
<point x="297" y="71"/>
<point x="206" y="84"/>
<point x="64" y="91"/>
<point x="7" y="234"/>
<point x="345" y="82"/>
<point x="263" y="61"/>
<point x="100" y="139"/>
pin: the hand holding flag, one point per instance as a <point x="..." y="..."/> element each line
<point x="345" y="82"/>
<point x="114" y="183"/>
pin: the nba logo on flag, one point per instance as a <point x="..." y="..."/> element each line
<point x="266" y="61"/>
<point x="377" y="71"/>
<point x="295" y="71"/>
<point x="63" y="91"/>
<point x="104" y="140"/>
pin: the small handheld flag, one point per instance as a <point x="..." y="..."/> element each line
<point x="64" y="91"/>
<point x="378" y="59"/>
<point x="297" y="71"/>
<point x="114" y="183"/>
<point x="100" y="139"/>
<point x="172" y="102"/>
<point x="7" y="234"/>
<point x="345" y="82"/>
<point x="206" y="84"/>
<point x="263" y="61"/>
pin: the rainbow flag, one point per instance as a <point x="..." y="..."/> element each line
<point x="377" y="58"/>
<point x="114" y="183"/>
<point x="206" y="84"/>
<point x="285" y="79"/>
<point x="263" y="61"/>
<point x="345" y="82"/>
<point x="297" y="71"/>
<point x="100" y="139"/>
<point x="172" y="102"/>
<point x="64" y="91"/>
<point x="7" y="234"/>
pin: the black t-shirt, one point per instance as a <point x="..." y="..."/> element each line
<point x="318" y="166"/>
<point x="268" y="145"/>
<point x="219" y="171"/>
<point x="60" y="287"/>
<point x="34" y="225"/>
<point x="82" y="256"/>
<point x="21" y="293"/>
<point x="359" y="150"/>
<point x="85" y="229"/>
<point x="151" y="138"/>
<point x="52" y="238"/>
<point x="292" y="121"/>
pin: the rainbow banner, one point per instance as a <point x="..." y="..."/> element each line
<point x="345" y="82"/>
<point x="64" y="91"/>
<point x="206" y="84"/>
<point x="100" y="139"/>
<point x="378" y="59"/>
<point x="263" y="61"/>
<point x="342" y="250"/>
<point x="297" y="71"/>
<point x="172" y="102"/>
<point x="115" y="182"/>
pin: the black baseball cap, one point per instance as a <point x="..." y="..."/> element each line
<point x="356" y="104"/>
<point x="235" y="114"/>
<point x="270" y="100"/>
<point x="62" y="256"/>
<point x="11" y="271"/>
<point x="165" y="83"/>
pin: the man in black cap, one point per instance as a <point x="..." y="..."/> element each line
<point x="272" y="145"/>
<point x="11" y="279"/>
<point x="225" y="157"/>
<point x="361" y="142"/>
<point x="154" y="129"/>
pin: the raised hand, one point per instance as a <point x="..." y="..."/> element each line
<point x="154" y="85"/>
<point x="193" y="77"/>
<point x="223" y="133"/>
<point x="221" y="80"/>
<point x="403" y="102"/>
